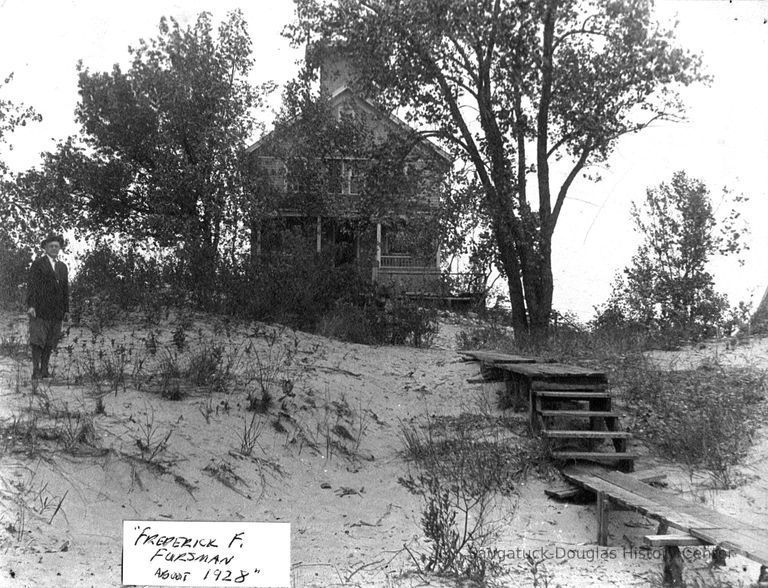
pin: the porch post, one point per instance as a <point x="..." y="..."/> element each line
<point x="319" y="233"/>
<point x="377" y="265"/>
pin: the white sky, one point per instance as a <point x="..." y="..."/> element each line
<point x="724" y="142"/>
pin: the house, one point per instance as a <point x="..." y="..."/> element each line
<point x="334" y="191"/>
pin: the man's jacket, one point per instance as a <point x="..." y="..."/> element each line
<point x="48" y="290"/>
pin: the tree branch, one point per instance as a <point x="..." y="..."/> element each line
<point x="565" y="187"/>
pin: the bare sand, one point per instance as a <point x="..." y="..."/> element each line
<point x="349" y="515"/>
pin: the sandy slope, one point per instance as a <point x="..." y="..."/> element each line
<point x="350" y="517"/>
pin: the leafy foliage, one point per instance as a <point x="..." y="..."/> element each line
<point x="498" y="80"/>
<point x="668" y="287"/>
<point x="703" y="418"/>
<point x="17" y="233"/>
<point x="159" y="156"/>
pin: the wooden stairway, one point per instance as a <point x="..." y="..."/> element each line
<point x="560" y="399"/>
<point x="557" y="410"/>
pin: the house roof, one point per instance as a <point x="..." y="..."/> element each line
<point x="344" y="93"/>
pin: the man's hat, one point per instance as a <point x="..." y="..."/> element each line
<point x="51" y="238"/>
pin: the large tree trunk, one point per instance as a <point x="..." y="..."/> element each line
<point x="516" y="296"/>
<point x="541" y="286"/>
<point x="203" y="257"/>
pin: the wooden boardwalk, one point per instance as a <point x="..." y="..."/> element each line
<point x="558" y="393"/>
<point x="699" y="524"/>
<point x="570" y="406"/>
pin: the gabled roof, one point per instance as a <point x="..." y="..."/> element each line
<point x="345" y="93"/>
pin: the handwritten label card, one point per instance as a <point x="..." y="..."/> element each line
<point x="199" y="553"/>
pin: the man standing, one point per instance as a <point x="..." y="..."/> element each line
<point x="48" y="303"/>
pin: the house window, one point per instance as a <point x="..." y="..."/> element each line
<point x="344" y="177"/>
<point x="280" y="177"/>
<point x="346" y="112"/>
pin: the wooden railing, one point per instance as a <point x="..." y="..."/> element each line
<point x="405" y="261"/>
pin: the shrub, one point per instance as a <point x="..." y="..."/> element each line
<point x="704" y="417"/>
<point x="14" y="346"/>
<point x="13" y="274"/>
<point x="398" y="322"/>
<point x="459" y="474"/>
<point x="406" y="322"/>
<point x="489" y="336"/>
<point x="292" y="285"/>
<point x="110" y="280"/>
<point x="347" y="322"/>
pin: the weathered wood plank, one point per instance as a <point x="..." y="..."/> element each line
<point x="593" y="455"/>
<point x="544" y="370"/>
<point x="546" y="385"/>
<point x="746" y="544"/>
<point x="580" y="413"/>
<point x="573" y="394"/>
<point x="714" y="518"/>
<point x="647" y="506"/>
<point x="495" y="357"/>
<point x="563" y="493"/>
<point x="678" y="540"/>
<point x="738" y="536"/>
<point x="582" y="434"/>
<point x="483" y="380"/>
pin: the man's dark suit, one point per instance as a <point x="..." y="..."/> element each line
<point x="48" y="291"/>
<point x="48" y="295"/>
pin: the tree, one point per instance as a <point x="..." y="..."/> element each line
<point x="17" y="234"/>
<point x="513" y="86"/>
<point x="15" y="228"/>
<point x="668" y="287"/>
<point x="160" y="152"/>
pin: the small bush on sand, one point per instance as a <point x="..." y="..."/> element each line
<point x="704" y="418"/>
<point x="398" y="322"/>
<point x="405" y="322"/>
<point x="460" y="475"/>
<point x="205" y="365"/>
<point x="14" y="346"/>
<point x="347" y="322"/>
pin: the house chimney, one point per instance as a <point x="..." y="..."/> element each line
<point x="337" y="71"/>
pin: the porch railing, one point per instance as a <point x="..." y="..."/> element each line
<point x="405" y="261"/>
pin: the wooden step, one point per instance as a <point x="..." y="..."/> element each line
<point x="579" y="413"/>
<point x="593" y="455"/>
<point x="572" y="395"/>
<point x="539" y="385"/>
<point x="580" y="434"/>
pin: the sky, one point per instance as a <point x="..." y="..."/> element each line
<point x="724" y="140"/>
